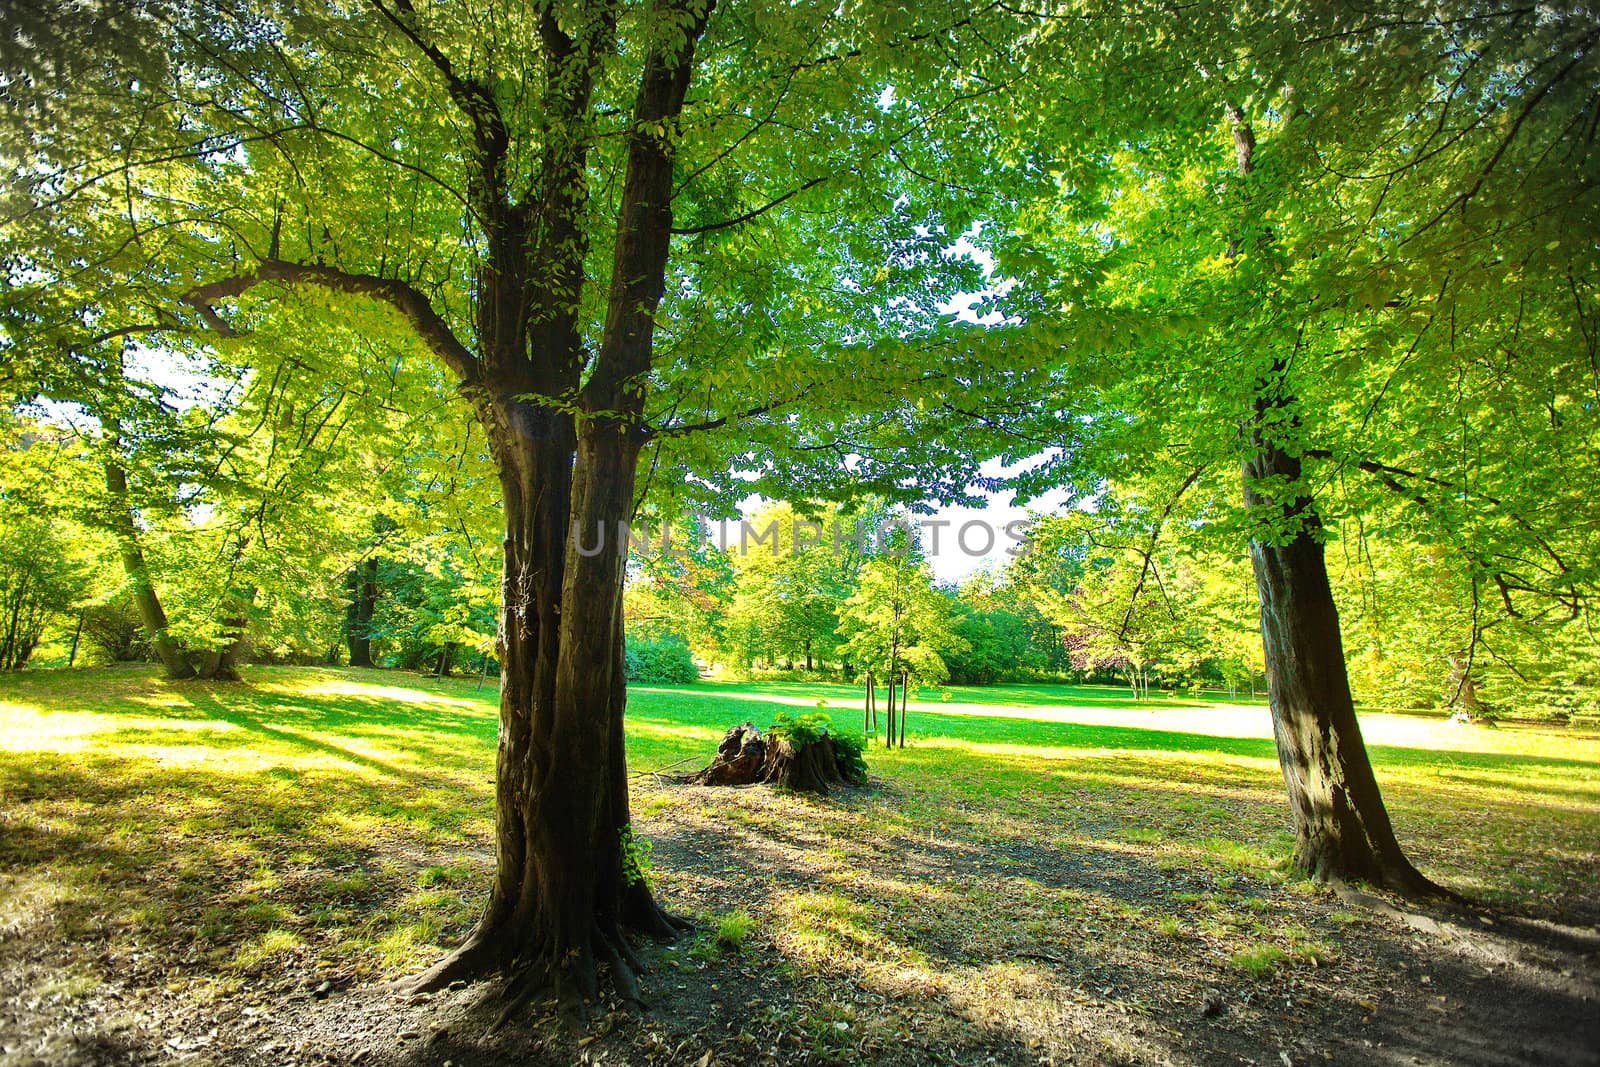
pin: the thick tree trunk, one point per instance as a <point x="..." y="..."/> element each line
<point x="126" y="530"/>
<point x="567" y="882"/>
<point x="565" y="887"/>
<point x="1342" y="829"/>
<point x="363" y="585"/>
<point x="222" y="664"/>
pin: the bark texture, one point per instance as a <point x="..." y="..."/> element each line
<point x="1342" y="829"/>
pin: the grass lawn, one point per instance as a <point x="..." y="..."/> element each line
<point x="185" y="845"/>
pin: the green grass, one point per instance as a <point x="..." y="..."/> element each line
<point x="732" y="929"/>
<point x="344" y="817"/>
<point x="1258" y="961"/>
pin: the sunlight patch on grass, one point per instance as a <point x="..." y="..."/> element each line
<point x="359" y="805"/>
<point x="372" y="691"/>
<point x="274" y="943"/>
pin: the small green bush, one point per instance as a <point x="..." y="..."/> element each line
<point x="799" y="730"/>
<point x="850" y="750"/>
<point x="661" y="661"/>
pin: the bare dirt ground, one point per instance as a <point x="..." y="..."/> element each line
<point x="963" y="936"/>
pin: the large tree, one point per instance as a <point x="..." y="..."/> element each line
<point x="508" y="182"/>
<point x="1336" y="253"/>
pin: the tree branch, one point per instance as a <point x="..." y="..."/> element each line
<point x="471" y="97"/>
<point x="712" y="424"/>
<point x="753" y="212"/>
<point x="411" y="303"/>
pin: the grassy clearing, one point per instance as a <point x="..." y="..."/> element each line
<point x="338" y="822"/>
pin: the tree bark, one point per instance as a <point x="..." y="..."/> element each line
<point x="745" y="757"/>
<point x="889" y="732"/>
<point x="566" y="882"/>
<point x="1342" y="829"/>
<point x="905" y="693"/>
<point x="134" y="566"/>
<point x="222" y="664"/>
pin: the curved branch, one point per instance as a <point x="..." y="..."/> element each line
<point x="753" y="212"/>
<point x="404" y="298"/>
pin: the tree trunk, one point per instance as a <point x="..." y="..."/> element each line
<point x="564" y="886"/>
<point x="134" y="566"/>
<point x="866" y="708"/>
<point x="1461" y="691"/>
<point x="77" y="635"/>
<point x="363" y="585"/>
<point x="889" y="723"/>
<point x="905" y="693"/>
<point x="1342" y="829"/>
<point x="222" y="664"/>
<point x="11" y="645"/>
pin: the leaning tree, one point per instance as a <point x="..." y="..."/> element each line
<point x="1328" y="257"/>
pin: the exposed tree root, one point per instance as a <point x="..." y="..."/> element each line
<point x="571" y="976"/>
<point x="471" y="960"/>
<point x="1415" y="888"/>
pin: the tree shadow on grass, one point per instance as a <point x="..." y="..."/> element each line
<point x="1023" y="946"/>
<point x="206" y="864"/>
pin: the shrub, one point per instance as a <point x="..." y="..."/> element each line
<point x="115" y="630"/>
<point x="799" y="730"/>
<point x="661" y="660"/>
<point x="850" y="754"/>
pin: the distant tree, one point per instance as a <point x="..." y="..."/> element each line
<point x="898" y="626"/>
<point x="793" y="569"/>
<point x="50" y="565"/>
<point x="39" y="581"/>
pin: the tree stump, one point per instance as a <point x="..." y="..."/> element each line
<point x="741" y="755"/>
<point x="746" y="757"/>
